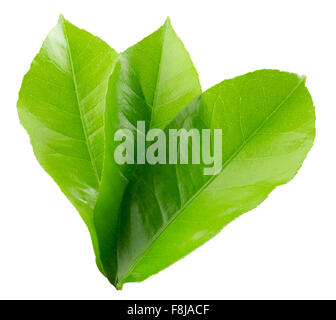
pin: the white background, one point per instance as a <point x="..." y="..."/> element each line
<point x="283" y="249"/>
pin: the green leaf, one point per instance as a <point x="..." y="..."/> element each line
<point x="267" y="118"/>
<point x="61" y="105"/>
<point x="151" y="81"/>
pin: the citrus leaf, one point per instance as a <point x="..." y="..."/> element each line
<point x="61" y="105"/>
<point x="268" y="126"/>
<point x="151" y="81"/>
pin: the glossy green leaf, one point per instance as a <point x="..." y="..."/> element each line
<point x="267" y="118"/>
<point x="61" y="105"/>
<point x="151" y="81"/>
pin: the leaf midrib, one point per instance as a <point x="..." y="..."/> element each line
<point x="85" y="130"/>
<point x="226" y="163"/>
<point x="155" y="97"/>
<point x="153" y="105"/>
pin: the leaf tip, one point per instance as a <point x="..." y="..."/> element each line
<point x="61" y="18"/>
<point x="302" y="77"/>
<point x="167" y="22"/>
